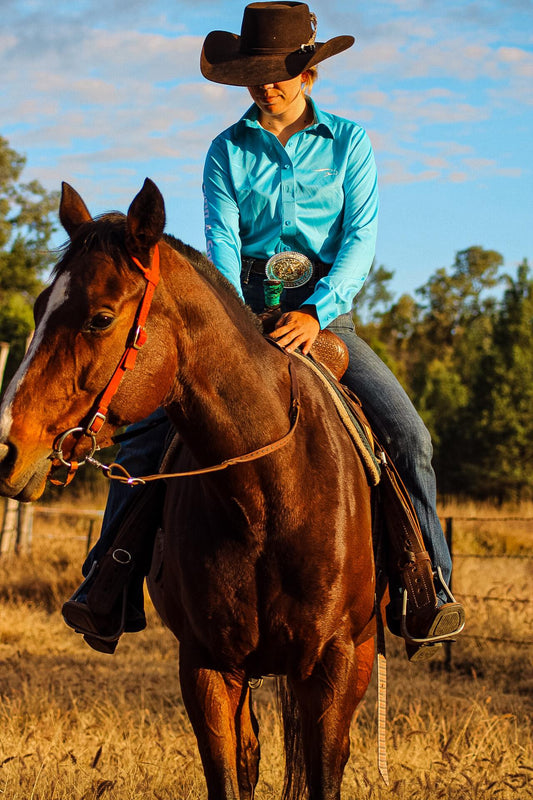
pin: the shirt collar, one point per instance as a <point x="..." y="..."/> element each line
<point x="322" y="123"/>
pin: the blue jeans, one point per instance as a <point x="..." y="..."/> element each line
<point x="390" y="412"/>
<point x="140" y="455"/>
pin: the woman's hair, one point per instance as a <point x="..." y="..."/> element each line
<point x="311" y="76"/>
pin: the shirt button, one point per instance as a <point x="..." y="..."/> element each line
<point x="286" y="166"/>
<point x="287" y="223"/>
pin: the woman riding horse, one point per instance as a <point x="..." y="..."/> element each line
<point x="290" y="177"/>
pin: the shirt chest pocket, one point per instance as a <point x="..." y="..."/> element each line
<point x="319" y="185"/>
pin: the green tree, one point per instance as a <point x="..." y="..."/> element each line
<point x="26" y="226"/>
<point x="451" y="301"/>
<point x="463" y="352"/>
<point x="370" y="308"/>
<point x="502" y="438"/>
<point x="435" y="345"/>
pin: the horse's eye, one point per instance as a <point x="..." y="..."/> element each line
<point x="101" y="321"/>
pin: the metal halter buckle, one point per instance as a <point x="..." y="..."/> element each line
<point x="58" y="446"/>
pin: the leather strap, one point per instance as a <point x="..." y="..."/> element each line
<point x="118" y="473"/>
<point x="381" y="656"/>
<point x="137" y="338"/>
<point x="405" y="539"/>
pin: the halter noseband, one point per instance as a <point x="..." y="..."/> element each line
<point x="136" y="338"/>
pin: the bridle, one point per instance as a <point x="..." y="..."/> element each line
<point x="136" y="339"/>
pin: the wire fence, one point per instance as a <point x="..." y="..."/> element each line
<point x="517" y="603"/>
<point x="20" y="533"/>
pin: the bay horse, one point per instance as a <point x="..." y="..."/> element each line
<point x="266" y="566"/>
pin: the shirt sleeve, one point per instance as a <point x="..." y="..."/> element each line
<point x="221" y="214"/>
<point x="333" y="294"/>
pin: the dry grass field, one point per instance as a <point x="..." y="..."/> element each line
<point x="79" y="725"/>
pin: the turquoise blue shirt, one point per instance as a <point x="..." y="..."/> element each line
<point x="317" y="195"/>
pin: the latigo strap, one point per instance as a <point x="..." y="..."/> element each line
<point x="405" y="539"/>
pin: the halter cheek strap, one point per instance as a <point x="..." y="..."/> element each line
<point x="136" y="339"/>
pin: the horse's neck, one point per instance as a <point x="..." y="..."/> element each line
<point x="233" y="391"/>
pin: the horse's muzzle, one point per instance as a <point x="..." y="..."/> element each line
<point x="19" y="480"/>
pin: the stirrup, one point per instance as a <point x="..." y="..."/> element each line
<point x="433" y="639"/>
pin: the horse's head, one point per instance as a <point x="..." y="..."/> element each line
<point x="83" y="323"/>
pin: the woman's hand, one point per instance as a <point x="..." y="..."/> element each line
<point x="297" y="329"/>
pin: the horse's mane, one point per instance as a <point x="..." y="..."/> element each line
<point x="107" y="234"/>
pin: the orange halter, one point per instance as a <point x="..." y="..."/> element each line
<point x="136" y="339"/>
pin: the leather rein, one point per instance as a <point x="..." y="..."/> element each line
<point x="136" y="339"/>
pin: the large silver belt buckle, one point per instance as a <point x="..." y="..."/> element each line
<point x="294" y="269"/>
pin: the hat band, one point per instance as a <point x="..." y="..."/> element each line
<point x="276" y="51"/>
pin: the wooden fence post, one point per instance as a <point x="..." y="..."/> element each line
<point x="17" y="525"/>
<point x="24" y="528"/>
<point x="8" y="535"/>
<point x="449" y="540"/>
<point x="4" y="350"/>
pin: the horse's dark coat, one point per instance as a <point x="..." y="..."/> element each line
<point x="263" y="568"/>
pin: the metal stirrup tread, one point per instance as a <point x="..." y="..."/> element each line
<point x="448" y="622"/>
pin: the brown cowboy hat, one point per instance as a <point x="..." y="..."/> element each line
<point x="277" y="42"/>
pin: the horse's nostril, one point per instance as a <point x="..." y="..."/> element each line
<point x="8" y="454"/>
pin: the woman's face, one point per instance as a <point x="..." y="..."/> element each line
<point x="274" y="99"/>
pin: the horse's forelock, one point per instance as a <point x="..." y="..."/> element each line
<point x="104" y="234"/>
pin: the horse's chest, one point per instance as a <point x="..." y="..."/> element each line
<point x="253" y="607"/>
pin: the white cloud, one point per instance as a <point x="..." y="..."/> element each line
<point x="88" y="93"/>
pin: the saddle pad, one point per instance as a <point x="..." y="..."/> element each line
<point x="349" y="411"/>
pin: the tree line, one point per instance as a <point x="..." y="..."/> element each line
<point x="462" y="346"/>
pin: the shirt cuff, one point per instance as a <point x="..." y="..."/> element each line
<point x="326" y="309"/>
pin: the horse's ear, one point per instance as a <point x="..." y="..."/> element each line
<point x="72" y="210"/>
<point x="146" y="219"/>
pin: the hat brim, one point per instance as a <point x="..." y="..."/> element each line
<point x="222" y="62"/>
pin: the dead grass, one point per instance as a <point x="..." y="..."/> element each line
<point x="484" y="528"/>
<point x="78" y="725"/>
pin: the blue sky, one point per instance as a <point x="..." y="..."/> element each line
<point x="102" y="93"/>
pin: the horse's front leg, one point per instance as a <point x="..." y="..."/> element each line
<point x="218" y="706"/>
<point x="327" y="701"/>
<point x="247" y="745"/>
